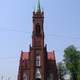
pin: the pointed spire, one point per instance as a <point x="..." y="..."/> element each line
<point x="38" y="8"/>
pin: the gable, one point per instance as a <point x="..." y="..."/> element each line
<point x="25" y="55"/>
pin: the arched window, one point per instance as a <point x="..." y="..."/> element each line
<point x="38" y="29"/>
<point x="25" y="77"/>
<point x="38" y="74"/>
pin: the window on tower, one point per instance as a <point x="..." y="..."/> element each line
<point x="38" y="29"/>
<point x="38" y="60"/>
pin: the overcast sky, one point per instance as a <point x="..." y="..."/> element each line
<point x="61" y="25"/>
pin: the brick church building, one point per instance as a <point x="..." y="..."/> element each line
<point x="38" y="63"/>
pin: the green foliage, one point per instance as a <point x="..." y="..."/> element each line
<point x="61" y="70"/>
<point x="72" y="60"/>
<point x="78" y="76"/>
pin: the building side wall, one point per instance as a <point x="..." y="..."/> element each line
<point x="23" y="72"/>
<point x="52" y="70"/>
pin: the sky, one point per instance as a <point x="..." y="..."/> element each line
<point x="61" y="27"/>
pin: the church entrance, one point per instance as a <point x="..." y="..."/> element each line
<point x="38" y="79"/>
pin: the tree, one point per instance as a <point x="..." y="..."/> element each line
<point x="72" y="61"/>
<point x="61" y="70"/>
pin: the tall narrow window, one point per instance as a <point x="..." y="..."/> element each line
<point x="38" y="60"/>
<point x="51" y="76"/>
<point x="38" y="29"/>
<point x="25" y="77"/>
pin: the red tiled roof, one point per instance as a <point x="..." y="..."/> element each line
<point x="25" y="55"/>
<point x="51" y="56"/>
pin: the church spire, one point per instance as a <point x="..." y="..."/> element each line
<point x="38" y="8"/>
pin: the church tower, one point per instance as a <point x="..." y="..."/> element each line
<point x="37" y="55"/>
<point x="37" y="64"/>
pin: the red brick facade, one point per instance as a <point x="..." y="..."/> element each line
<point x="38" y="63"/>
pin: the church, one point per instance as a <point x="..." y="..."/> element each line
<point x="37" y="63"/>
